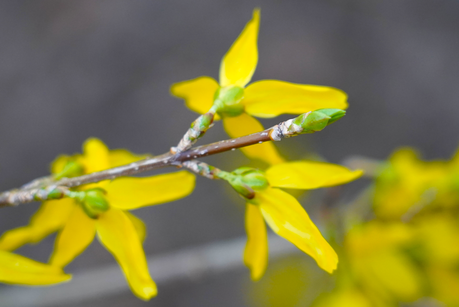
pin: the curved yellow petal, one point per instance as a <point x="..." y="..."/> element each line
<point x="198" y="93"/>
<point x="270" y="98"/>
<point x="256" y="249"/>
<point x="134" y="192"/>
<point x="239" y="63"/>
<point x="309" y="175"/>
<point x="245" y="124"/>
<point x="95" y="156"/>
<point x="119" y="236"/>
<point x="77" y="234"/>
<point x="118" y="157"/>
<point x="16" y="269"/>
<point x="50" y="217"/>
<point x="139" y="225"/>
<point x="288" y="219"/>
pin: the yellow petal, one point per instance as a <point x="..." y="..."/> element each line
<point x="50" y="217"/>
<point x="256" y="249"/>
<point x="134" y="192"/>
<point x="198" y="93"/>
<point x="139" y="225"/>
<point x="118" y="157"/>
<point x="344" y="298"/>
<point x="288" y="219"/>
<point x="390" y="272"/>
<point x="239" y="63"/>
<point x="16" y="269"/>
<point x="309" y="175"/>
<point x="270" y="98"/>
<point x="77" y="234"/>
<point x="95" y="156"/>
<point x="119" y="236"/>
<point x="245" y="124"/>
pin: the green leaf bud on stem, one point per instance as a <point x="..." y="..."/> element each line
<point x="92" y="201"/>
<point x="228" y="101"/>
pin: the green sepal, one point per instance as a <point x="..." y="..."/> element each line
<point x="71" y="169"/>
<point x="253" y="177"/>
<point x="246" y="181"/>
<point x="227" y="101"/>
<point x="93" y="201"/>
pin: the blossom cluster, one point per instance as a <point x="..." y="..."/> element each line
<point x="101" y="209"/>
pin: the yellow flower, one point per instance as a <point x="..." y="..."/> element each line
<point x="119" y="231"/>
<point x="19" y="270"/>
<point x="237" y="103"/>
<point x="285" y="215"/>
<point x="408" y="183"/>
<point x="378" y="263"/>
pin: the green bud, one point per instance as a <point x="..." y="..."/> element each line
<point x="55" y="194"/>
<point x="246" y="181"/>
<point x="318" y="119"/>
<point x="92" y="201"/>
<point x="71" y="169"/>
<point x="253" y="177"/>
<point x="228" y="101"/>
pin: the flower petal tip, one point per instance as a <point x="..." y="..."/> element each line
<point x="147" y="292"/>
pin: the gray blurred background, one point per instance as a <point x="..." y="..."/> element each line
<point x="70" y="70"/>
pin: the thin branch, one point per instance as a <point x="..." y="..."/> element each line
<point x="285" y="129"/>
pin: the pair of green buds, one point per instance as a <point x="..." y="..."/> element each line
<point x="246" y="180"/>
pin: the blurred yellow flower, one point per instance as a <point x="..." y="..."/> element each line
<point x="286" y="216"/>
<point x="119" y="231"/>
<point x="408" y="185"/>
<point x="379" y="264"/>
<point x="236" y="103"/>
<point x="19" y="270"/>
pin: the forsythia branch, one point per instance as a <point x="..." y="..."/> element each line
<point x="45" y="188"/>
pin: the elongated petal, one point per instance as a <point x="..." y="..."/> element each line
<point x="132" y="192"/>
<point x="270" y="98"/>
<point x="16" y="269"/>
<point x="309" y="175"/>
<point x="256" y="249"/>
<point x="239" y="63"/>
<point x="245" y="124"/>
<point x="77" y="234"/>
<point x="118" y="157"/>
<point x="139" y="225"/>
<point x="198" y="93"/>
<point x="95" y="156"/>
<point x="50" y="217"/>
<point x="288" y="219"/>
<point x="119" y="236"/>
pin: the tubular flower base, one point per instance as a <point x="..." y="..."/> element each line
<point x="286" y="216"/>
<point x="119" y="231"/>
<point x="236" y="103"/>
<point x="19" y="270"/>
